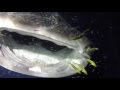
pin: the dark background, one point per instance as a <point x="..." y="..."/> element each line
<point x="104" y="34"/>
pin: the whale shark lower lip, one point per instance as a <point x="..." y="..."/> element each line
<point x="36" y="60"/>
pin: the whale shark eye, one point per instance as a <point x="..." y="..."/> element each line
<point x="41" y="44"/>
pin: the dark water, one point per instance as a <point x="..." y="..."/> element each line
<point x="102" y="36"/>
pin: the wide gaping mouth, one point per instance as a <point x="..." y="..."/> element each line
<point x="26" y="52"/>
<point x="31" y="40"/>
<point x="24" y="45"/>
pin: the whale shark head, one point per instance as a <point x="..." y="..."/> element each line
<point x="40" y="44"/>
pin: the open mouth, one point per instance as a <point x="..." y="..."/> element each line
<point x="30" y="51"/>
<point x="30" y="40"/>
<point x="18" y="42"/>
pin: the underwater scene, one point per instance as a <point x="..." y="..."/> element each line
<point x="57" y="45"/>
